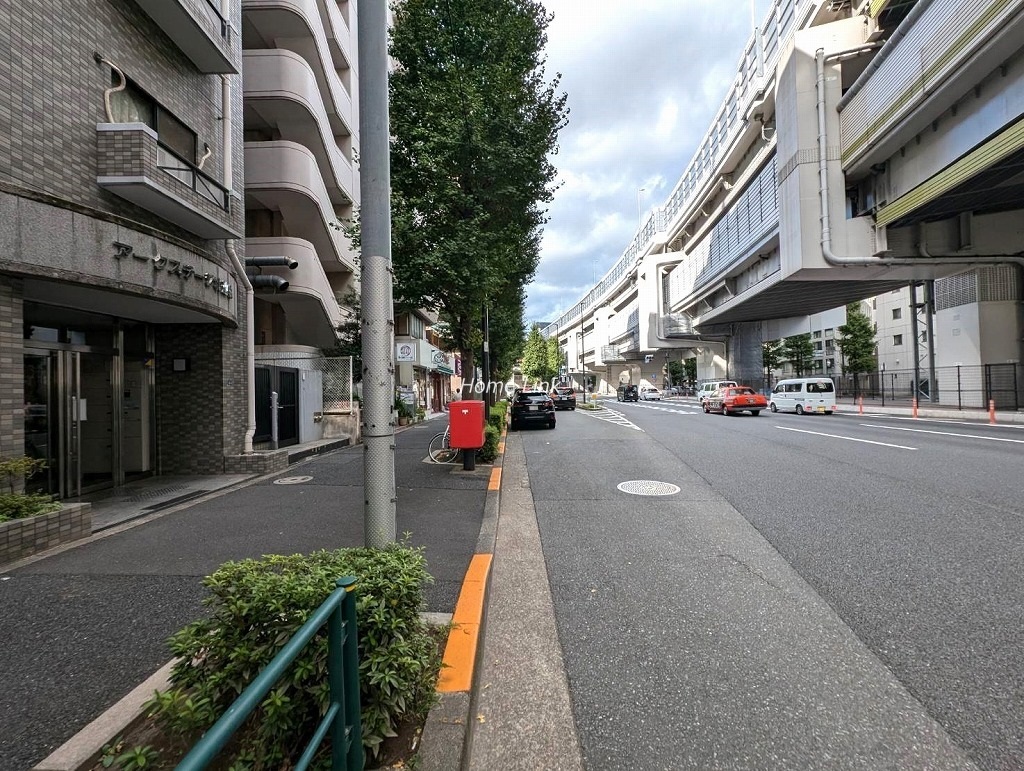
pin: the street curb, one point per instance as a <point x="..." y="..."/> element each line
<point x="445" y="744"/>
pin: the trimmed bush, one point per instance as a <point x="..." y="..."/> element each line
<point x="15" y="504"/>
<point x="496" y="415"/>
<point x="489" y="451"/>
<point x="257" y="605"/>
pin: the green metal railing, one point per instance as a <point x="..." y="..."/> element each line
<point x="341" y="720"/>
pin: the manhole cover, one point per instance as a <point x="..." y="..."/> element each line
<point x="648" y="487"/>
<point x="291" y="480"/>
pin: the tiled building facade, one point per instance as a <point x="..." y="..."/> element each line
<point x="122" y="310"/>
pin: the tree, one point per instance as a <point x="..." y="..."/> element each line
<point x="771" y="357"/>
<point x="857" y="340"/>
<point x="799" y="351"/>
<point x="555" y="359"/>
<point x="857" y="343"/>
<point x="473" y="125"/>
<point x="350" y="340"/>
<point x="535" y="356"/>
<point x="677" y="371"/>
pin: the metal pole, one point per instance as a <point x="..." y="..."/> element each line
<point x="273" y="420"/>
<point x="379" y="526"/>
<point x="915" y="333"/>
<point x="486" y="358"/>
<point x="933" y="381"/>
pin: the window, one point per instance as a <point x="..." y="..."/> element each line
<point x="897" y="313"/>
<point x="897" y="340"/>
<point x="817" y="334"/>
<point x="133" y="105"/>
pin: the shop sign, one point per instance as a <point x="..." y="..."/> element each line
<point x="405" y="352"/>
<point x="442" y="362"/>
<point x="182" y="270"/>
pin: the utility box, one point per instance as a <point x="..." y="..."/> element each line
<point x="466" y="420"/>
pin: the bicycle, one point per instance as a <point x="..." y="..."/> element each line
<point x="440" y="449"/>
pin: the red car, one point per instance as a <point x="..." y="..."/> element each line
<point x="733" y="399"/>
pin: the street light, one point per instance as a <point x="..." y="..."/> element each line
<point x="639" y="207"/>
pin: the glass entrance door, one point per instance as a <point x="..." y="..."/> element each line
<point x="69" y="421"/>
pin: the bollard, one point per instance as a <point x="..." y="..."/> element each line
<point x="914" y="406"/>
<point x="992" y="411"/>
<point x="860" y="405"/>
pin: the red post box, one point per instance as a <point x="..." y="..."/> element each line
<point x="466" y="419"/>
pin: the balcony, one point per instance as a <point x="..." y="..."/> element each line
<point x="296" y="25"/>
<point x="281" y="94"/>
<point x="284" y="176"/>
<point x="135" y="165"/>
<point x="198" y="29"/>
<point x="309" y="303"/>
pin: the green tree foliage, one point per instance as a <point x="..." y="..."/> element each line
<point x="507" y="331"/>
<point x="857" y="340"/>
<point x="473" y="122"/>
<point x="350" y="337"/>
<point x="799" y="351"/>
<point x="555" y="359"/>
<point x="677" y="372"/>
<point x="771" y="356"/>
<point x="535" y="356"/>
<point x="690" y="366"/>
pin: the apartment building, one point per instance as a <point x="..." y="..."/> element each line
<point x="123" y="313"/>
<point x="301" y="189"/>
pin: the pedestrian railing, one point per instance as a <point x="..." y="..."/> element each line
<point x="340" y="722"/>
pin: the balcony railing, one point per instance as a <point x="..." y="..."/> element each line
<point x="191" y="176"/>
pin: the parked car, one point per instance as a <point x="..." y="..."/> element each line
<point x="708" y="388"/>
<point x="532" y="408"/>
<point x="650" y="394"/>
<point x="804" y="394"/>
<point x="627" y="393"/>
<point x="731" y="400"/>
<point x="563" y="397"/>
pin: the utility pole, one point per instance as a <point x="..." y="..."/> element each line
<point x="379" y="521"/>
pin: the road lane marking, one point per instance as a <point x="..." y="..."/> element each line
<point x="973" y="423"/>
<point x="613" y="417"/>
<point x="946" y="433"/>
<point x="847" y="438"/>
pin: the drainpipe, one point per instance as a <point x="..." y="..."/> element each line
<point x="926" y="258"/>
<point x="229" y="247"/>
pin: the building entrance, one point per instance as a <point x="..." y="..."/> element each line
<point x="88" y="397"/>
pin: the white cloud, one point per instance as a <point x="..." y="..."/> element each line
<point x="644" y="80"/>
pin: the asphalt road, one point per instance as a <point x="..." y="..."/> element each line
<point x="882" y="618"/>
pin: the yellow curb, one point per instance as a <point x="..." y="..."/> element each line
<point x="495" y="481"/>
<point x="460" y="652"/>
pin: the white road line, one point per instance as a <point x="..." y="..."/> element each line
<point x="613" y="417"/>
<point x="972" y="423"/>
<point x="847" y="438"/>
<point x="946" y="433"/>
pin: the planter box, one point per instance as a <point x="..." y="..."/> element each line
<point x="20" y="538"/>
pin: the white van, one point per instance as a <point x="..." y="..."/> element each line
<point x="708" y="388"/>
<point x="803" y="394"/>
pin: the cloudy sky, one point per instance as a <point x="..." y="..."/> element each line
<point x="644" y="78"/>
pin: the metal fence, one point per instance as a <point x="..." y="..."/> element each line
<point x="961" y="387"/>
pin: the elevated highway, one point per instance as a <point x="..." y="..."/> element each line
<point x="862" y="147"/>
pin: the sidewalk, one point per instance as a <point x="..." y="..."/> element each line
<point x="85" y="623"/>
